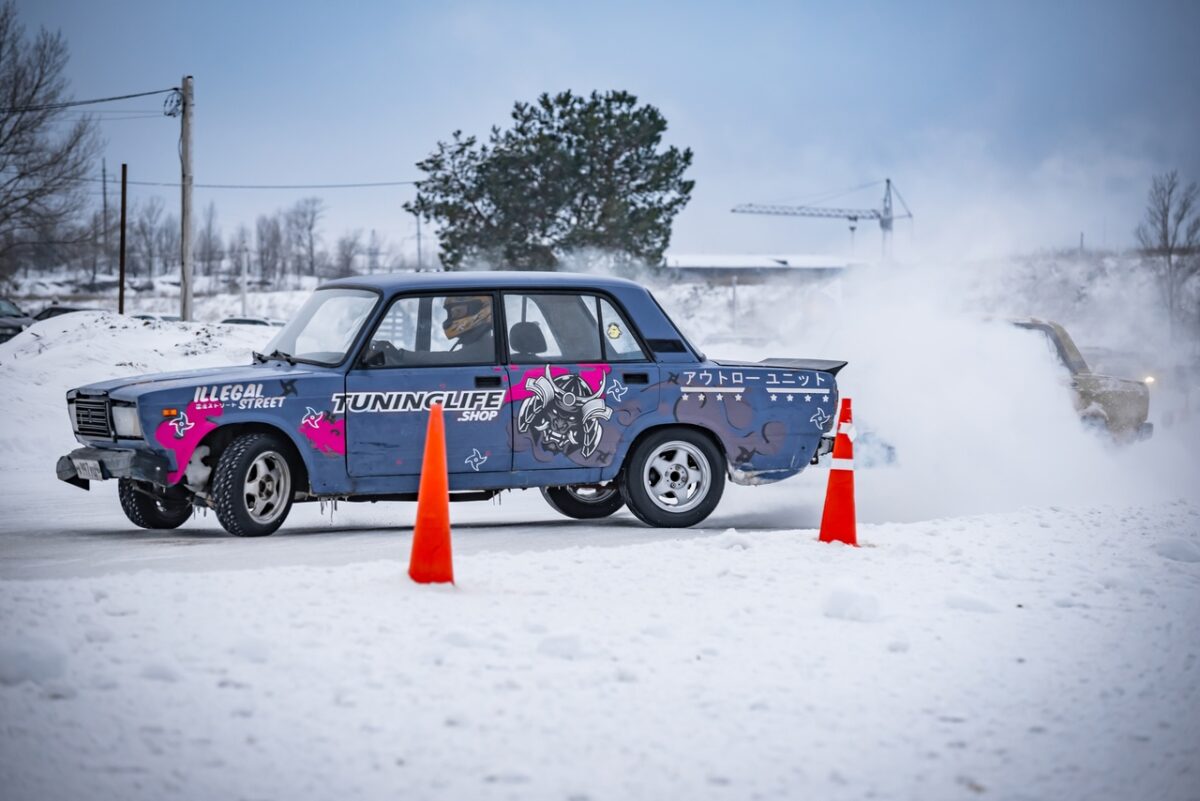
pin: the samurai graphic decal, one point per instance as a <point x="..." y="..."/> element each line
<point x="563" y="415"/>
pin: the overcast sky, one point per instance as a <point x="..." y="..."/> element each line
<point x="1008" y="126"/>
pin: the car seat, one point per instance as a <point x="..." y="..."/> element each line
<point x="526" y="341"/>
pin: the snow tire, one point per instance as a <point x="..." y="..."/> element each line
<point x="147" y="511"/>
<point x="574" y="502"/>
<point x="673" y="478"/>
<point x="252" y="488"/>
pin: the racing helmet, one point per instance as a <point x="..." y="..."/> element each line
<point x="467" y="314"/>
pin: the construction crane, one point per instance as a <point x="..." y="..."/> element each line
<point x="883" y="214"/>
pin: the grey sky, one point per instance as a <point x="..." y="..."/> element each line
<point x="1007" y="125"/>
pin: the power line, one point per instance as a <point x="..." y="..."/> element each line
<point x="103" y="111"/>
<point x="72" y="103"/>
<point x="266" y="186"/>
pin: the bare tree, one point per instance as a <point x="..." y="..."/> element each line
<point x="1170" y="233"/>
<point x="268" y="242"/>
<point x="238" y="252"/>
<point x="302" y="220"/>
<point x="40" y="170"/>
<point x="349" y="246"/>
<point x="208" y="243"/>
<point x="144" y="234"/>
<point x="170" y="245"/>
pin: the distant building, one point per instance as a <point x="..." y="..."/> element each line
<point x="729" y="268"/>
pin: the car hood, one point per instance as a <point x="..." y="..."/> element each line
<point x="132" y="388"/>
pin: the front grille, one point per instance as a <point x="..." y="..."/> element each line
<point x="92" y="418"/>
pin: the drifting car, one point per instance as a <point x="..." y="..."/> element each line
<point x="578" y="385"/>
<point x="12" y="320"/>
<point x="1119" y="406"/>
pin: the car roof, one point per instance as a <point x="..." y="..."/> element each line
<point x="492" y="279"/>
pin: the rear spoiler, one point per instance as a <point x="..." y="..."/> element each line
<point x="821" y="365"/>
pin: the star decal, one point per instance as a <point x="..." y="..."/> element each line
<point x="789" y="397"/>
<point x="820" y="418"/>
<point x="182" y="424"/>
<point x="737" y="396"/>
<point x="617" y="390"/>
<point x="312" y="418"/>
<point x="476" y="459"/>
<point x="720" y="396"/>
<point x="774" y="397"/>
<point x="701" y="396"/>
<point x="807" y="398"/>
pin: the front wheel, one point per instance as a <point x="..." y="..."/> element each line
<point x="673" y="478"/>
<point x="149" y="511"/>
<point x="585" y="501"/>
<point x="252" y="486"/>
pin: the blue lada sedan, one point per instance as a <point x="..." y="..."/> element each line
<point x="575" y="384"/>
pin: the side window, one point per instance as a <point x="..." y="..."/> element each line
<point x="434" y="331"/>
<point x="620" y="345"/>
<point x="558" y="327"/>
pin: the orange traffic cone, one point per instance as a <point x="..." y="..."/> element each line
<point x="837" y="521"/>
<point x="431" y="560"/>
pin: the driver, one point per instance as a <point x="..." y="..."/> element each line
<point x="469" y="322"/>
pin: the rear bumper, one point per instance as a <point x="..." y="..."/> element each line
<point x="136" y="464"/>
<point x="1145" y="431"/>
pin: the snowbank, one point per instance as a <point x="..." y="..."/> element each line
<point x="40" y="364"/>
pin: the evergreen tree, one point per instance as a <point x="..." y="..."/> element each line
<point x="572" y="174"/>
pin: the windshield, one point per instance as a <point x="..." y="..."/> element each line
<point x="326" y="326"/>
<point x="9" y="309"/>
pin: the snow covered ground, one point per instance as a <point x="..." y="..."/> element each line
<point x="1020" y="622"/>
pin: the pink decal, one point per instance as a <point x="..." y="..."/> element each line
<point x="590" y="373"/>
<point x="327" y="436"/>
<point x="183" y="434"/>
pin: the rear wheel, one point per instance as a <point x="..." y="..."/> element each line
<point x="585" y="501"/>
<point x="147" y="510"/>
<point x="252" y="486"/>
<point x="673" y="478"/>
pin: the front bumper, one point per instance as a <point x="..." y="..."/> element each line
<point x="114" y="463"/>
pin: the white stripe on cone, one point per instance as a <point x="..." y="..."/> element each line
<point x="841" y="464"/>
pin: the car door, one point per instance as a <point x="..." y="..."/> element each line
<point x="428" y="349"/>
<point x="579" y="378"/>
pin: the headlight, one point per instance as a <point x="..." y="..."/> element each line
<point x="125" y="422"/>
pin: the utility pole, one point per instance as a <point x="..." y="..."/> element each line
<point x="121" y="278"/>
<point x="245" y="259"/>
<point x="104" y="188"/>
<point x="185" y="212"/>
<point x="419" y="260"/>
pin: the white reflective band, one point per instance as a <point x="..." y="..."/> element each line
<point x="841" y="464"/>
<point x="848" y="430"/>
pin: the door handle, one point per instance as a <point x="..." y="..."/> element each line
<point x="636" y="378"/>
<point x="487" y="380"/>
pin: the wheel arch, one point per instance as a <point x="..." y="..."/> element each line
<point x="221" y="436"/>
<point x="632" y="443"/>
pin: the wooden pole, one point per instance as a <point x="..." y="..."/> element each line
<point x="121" y="280"/>
<point x="185" y="211"/>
